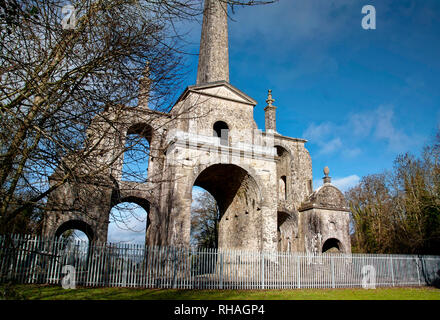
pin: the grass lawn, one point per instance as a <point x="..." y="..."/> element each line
<point x="40" y="292"/>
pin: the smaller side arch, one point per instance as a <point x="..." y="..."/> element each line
<point x="142" y="129"/>
<point x="332" y="245"/>
<point x="282" y="148"/>
<point x="77" y="225"/>
<point x="221" y="130"/>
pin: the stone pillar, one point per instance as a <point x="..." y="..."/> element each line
<point x="144" y="87"/>
<point x="214" y="53"/>
<point x="270" y="114"/>
<point x="178" y="225"/>
<point x="269" y="212"/>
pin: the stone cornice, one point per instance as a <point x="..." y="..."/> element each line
<point x="309" y="206"/>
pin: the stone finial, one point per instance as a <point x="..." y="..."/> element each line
<point x="326" y="178"/>
<point x="270" y="114"/>
<point x="270" y="100"/>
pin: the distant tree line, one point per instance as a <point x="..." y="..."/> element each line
<point x="205" y="218"/>
<point x="398" y="211"/>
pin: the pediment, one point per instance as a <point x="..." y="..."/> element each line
<point x="220" y="90"/>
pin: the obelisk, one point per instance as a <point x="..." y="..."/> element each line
<point x="214" y="53"/>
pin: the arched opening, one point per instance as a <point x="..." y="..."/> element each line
<point x="205" y="219"/>
<point x="332" y="245"/>
<point x="221" y="130"/>
<point x="280" y="151"/>
<point x="137" y="153"/>
<point x="74" y="239"/>
<point x="282" y="188"/>
<point x="283" y="161"/>
<point x="238" y="199"/>
<point x="128" y="221"/>
<point x="74" y="230"/>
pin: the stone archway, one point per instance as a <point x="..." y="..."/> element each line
<point x="332" y="245"/>
<point x="129" y="221"/>
<point x="135" y="161"/>
<point x="239" y="200"/>
<point x="132" y="193"/>
<point x="284" y="178"/>
<point x="76" y="225"/>
<point x="142" y="129"/>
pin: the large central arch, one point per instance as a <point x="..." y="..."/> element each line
<point x="239" y="200"/>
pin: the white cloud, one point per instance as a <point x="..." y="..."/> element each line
<point x="323" y="136"/>
<point x="319" y="132"/>
<point x="361" y="124"/>
<point x="354" y="152"/>
<point x="127" y="224"/>
<point x="292" y="21"/>
<point x="331" y="146"/>
<point x="342" y="184"/>
<point x="384" y="130"/>
<point x="348" y="136"/>
<point x="346" y="183"/>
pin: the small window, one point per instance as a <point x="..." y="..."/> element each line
<point x="221" y="130"/>
<point x="283" y="188"/>
<point x="280" y="151"/>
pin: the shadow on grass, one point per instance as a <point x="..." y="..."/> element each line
<point x="38" y="292"/>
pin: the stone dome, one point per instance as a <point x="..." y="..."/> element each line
<point x="327" y="197"/>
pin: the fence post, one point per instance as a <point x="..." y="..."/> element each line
<point x="332" y="263"/>
<point x="392" y="269"/>
<point x="174" y="284"/>
<point x="124" y="271"/>
<point x="418" y="271"/>
<point x="298" y="268"/>
<point x="221" y="269"/>
<point x="262" y="270"/>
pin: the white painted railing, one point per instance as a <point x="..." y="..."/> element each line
<point x="32" y="259"/>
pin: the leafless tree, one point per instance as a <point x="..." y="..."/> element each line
<point x="59" y="71"/>
<point x="205" y="218"/>
<point x="399" y="211"/>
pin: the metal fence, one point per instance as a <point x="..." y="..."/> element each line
<point x="32" y="259"/>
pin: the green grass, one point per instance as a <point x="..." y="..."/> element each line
<point x="39" y="292"/>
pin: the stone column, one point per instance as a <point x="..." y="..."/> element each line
<point x="214" y="53"/>
<point x="144" y="87"/>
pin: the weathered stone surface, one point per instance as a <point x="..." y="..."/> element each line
<point x="262" y="181"/>
<point x="214" y="49"/>
<point x="270" y="114"/>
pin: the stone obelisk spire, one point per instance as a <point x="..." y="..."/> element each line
<point x="214" y="55"/>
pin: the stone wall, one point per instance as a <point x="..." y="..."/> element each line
<point x="262" y="181"/>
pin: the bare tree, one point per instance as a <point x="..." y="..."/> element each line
<point x="205" y="218"/>
<point x="399" y="211"/>
<point x="59" y="71"/>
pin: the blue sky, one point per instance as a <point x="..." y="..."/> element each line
<point x="359" y="96"/>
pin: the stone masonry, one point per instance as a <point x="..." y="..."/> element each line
<point x="261" y="180"/>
